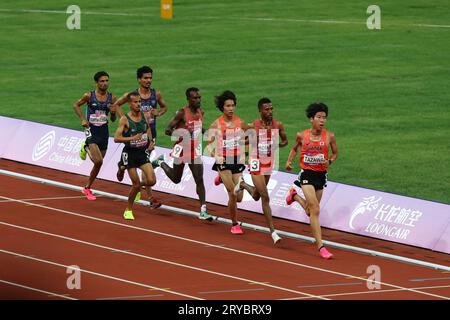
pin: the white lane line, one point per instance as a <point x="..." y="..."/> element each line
<point x="39" y="199"/>
<point x="430" y="279"/>
<point x="37" y="290"/>
<point x="160" y="260"/>
<point x="370" y="292"/>
<point x="331" y="285"/>
<point x="101" y="275"/>
<point x="223" y="248"/>
<point x="228" y="291"/>
<point x="124" y="14"/>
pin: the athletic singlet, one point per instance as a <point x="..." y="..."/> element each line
<point x="147" y="105"/>
<point x="194" y="126"/>
<point x="97" y="111"/>
<point x="134" y="129"/>
<point x="314" y="153"/>
<point x="229" y="137"/>
<point x="265" y="138"/>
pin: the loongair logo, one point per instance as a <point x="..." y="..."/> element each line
<point x="368" y="204"/>
<point x="43" y="146"/>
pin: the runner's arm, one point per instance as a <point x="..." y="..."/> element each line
<point x="77" y="108"/>
<point x="294" y="150"/>
<point x="179" y="116"/>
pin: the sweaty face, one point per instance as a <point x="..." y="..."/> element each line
<point x="146" y="80"/>
<point x="135" y="103"/>
<point x="103" y="83"/>
<point x="267" y="111"/>
<point x="319" y="120"/>
<point x="194" y="99"/>
<point x="228" y="107"/>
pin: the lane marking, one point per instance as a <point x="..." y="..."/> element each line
<point x="38" y="199"/>
<point x="228" y="291"/>
<point x="331" y="285"/>
<point x="50" y="294"/>
<point x="159" y="260"/>
<point x="430" y="279"/>
<point x="369" y="292"/>
<point x="100" y="275"/>
<point x="124" y="14"/>
<point x="223" y="248"/>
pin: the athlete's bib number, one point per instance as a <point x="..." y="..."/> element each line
<point x="87" y="132"/>
<point x="198" y="150"/>
<point x="254" y="165"/>
<point x="176" y="151"/>
<point x="125" y="158"/>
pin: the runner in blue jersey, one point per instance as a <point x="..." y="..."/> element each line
<point x="150" y="99"/>
<point x="99" y="104"/>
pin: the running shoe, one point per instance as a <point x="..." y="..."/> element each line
<point x="205" y="216"/>
<point x="88" y="193"/>
<point x="276" y="238"/>
<point x="138" y="197"/>
<point x="324" y="253"/>
<point x="237" y="187"/>
<point x="120" y="172"/>
<point x="217" y="180"/>
<point x="237" y="229"/>
<point x="83" y="150"/>
<point x="157" y="162"/>
<point x="128" y="215"/>
<point x="154" y="203"/>
<point x="290" y="196"/>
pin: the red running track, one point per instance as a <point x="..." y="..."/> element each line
<point x="165" y="256"/>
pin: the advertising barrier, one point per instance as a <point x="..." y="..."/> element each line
<point x="347" y="208"/>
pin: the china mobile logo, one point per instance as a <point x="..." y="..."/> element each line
<point x="43" y="146"/>
<point x="368" y="204"/>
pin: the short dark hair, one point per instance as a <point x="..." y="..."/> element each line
<point x="100" y="74"/>
<point x="263" y="101"/>
<point x="226" y="95"/>
<point x="315" y="107"/>
<point x="132" y="94"/>
<point x="144" y="69"/>
<point x="189" y="90"/>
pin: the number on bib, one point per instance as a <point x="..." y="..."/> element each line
<point x="176" y="151"/>
<point x="254" y="165"/>
<point x="198" y="150"/>
<point x="87" y="132"/>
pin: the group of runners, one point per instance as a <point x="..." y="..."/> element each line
<point x="233" y="143"/>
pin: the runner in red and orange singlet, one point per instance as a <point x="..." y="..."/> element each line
<point x="187" y="127"/>
<point x="314" y="163"/>
<point x="264" y="139"/>
<point x="228" y="133"/>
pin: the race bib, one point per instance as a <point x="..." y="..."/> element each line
<point x="254" y="165"/>
<point x="176" y="151"/>
<point x="98" y="118"/>
<point x="125" y="158"/>
<point x="198" y="150"/>
<point x="87" y="132"/>
<point x="317" y="159"/>
<point x="142" y="142"/>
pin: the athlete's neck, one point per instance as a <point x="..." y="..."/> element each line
<point x="143" y="90"/>
<point x="100" y="92"/>
<point x="266" y="122"/>
<point x="135" y="114"/>
<point x="227" y="118"/>
<point x="316" y="132"/>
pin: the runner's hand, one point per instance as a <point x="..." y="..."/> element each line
<point x="289" y="165"/>
<point x="85" y="123"/>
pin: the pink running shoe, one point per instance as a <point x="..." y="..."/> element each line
<point x="217" y="180"/>
<point x="324" y="253"/>
<point x="237" y="229"/>
<point x="88" y="193"/>
<point x="290" y="196"/>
